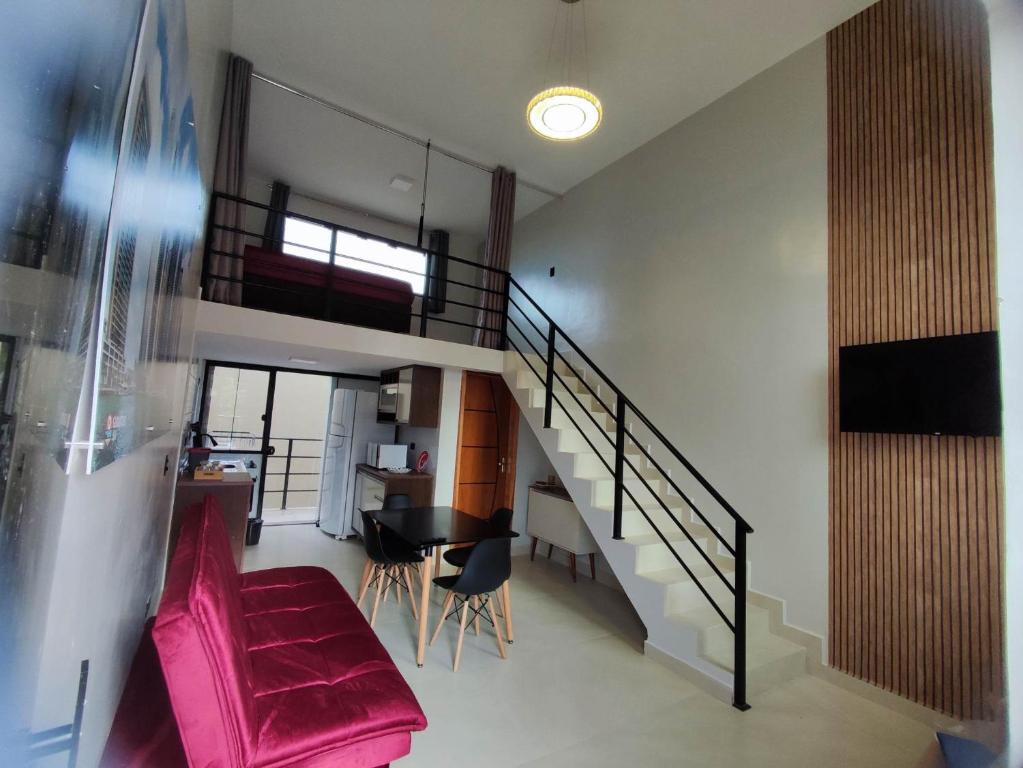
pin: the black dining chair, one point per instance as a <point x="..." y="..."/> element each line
<point x="389" y="562"/>
<point x="397" y="501"/>
<point x="487" y="567"/>
<point x="390" y="538"/>
<point x="500" y="519"/>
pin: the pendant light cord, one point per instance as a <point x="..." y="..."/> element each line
<point x="547" y="79"/>
<point x="586" y="48"/>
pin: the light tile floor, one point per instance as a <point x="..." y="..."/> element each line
<point x="576" y="689"/>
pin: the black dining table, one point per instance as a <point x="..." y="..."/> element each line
<point x="428" y="528"/>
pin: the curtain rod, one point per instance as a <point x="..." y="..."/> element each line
<point x="395" y="132"/>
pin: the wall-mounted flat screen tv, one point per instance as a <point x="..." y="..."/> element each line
<point x="945" y="385"/>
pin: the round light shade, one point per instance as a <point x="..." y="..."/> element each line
<point x="564" y="113"/>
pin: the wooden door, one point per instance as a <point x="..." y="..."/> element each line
<point x="488" y="431"/>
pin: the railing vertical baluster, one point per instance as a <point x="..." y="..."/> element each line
<point x="505" y="302"/>
<point x="287" y="474"/>
<point x="739" y="661"/>
<point x="619" y="464"/>
<point x="204" y="280"/>
<point x="328" y="293"/>
<point x="424" y="307"/>
<point x="549" y="401"/>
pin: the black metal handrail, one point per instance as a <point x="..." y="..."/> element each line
<point x="288" y="472"/>
<point x="622" y="435"/>
<point x="486" y="300"/>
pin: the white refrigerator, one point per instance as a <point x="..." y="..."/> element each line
<point x="351" y="427"/>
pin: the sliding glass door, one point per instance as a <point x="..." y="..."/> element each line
<point x="275" y="423"/>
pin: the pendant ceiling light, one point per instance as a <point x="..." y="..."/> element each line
<point x="566" y="111"/>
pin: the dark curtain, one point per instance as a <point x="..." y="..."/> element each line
<point x="437" y="286"/>
<point x="273" y="231"/>
<point x="229" y="177"/>
<point x="497" y="254"/>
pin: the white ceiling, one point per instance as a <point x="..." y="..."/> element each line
<point x="461" y="72"/>
<point x="341" y="160"/>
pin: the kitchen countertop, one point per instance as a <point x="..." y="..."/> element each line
<point x="384" y="475"/>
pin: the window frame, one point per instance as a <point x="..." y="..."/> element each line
<point x="378" y="249"/>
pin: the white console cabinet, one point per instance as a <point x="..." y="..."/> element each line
<point x="554" y="520"/>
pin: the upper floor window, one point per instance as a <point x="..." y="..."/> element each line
<point x="313" y="241"/>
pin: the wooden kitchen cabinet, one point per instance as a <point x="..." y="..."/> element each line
<point x="410" y="396"/>
<point x="234" y="498"/>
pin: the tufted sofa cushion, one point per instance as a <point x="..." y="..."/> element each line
<point x="200" y="636"/>
<point x="274" y="668"/>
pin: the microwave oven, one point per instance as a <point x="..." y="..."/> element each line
<point x="387" y="456"/>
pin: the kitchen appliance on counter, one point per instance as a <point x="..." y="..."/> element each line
<point x="383" y="456"/>
<point x="351" y="430"/>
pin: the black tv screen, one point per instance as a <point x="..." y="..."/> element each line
<point x="945" y="385"/>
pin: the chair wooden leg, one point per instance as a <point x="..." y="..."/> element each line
<point x="397" y="587"/>
<point x="385" y="577"/>
<point x="497" y="633"/>
<point x="367" y="571"/>
<point x="407" y="573"/>
<point x="461" y="634"/>
<point x="443" y="615"/>
<point x="532" y="549"/>
<point x="476" y="618"/>
<point x="437" y="559"/>
<point x="376" y="598"/>
<point x="593" y="566"/>
<point x="506" y="611"/>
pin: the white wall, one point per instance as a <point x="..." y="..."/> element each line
<point x="531" y="465"/>
<point x="1005" y="23"/>
<point x="694" y="272"/>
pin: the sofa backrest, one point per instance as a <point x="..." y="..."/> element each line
<point x="200" y="636"/>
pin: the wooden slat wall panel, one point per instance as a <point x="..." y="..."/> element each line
<point x="915" y="521"/>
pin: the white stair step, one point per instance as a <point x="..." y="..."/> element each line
<point x="588" y="466"/>
<point x="770" y="660"/>
<point x="681" y="593"/>
<point x="716" y="638"/>
<point x="652" y="554"/>
<point x="634" y="522"/>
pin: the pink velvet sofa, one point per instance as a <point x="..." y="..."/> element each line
<point x="276" y="667"/>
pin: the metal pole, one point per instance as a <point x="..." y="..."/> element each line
<point x="616" y="532"/>
<point x="424" y="307"/>
<point x="287" y="474"/>
<point x="739" y="661"/>
<point x="549" y="401"/>
<point x="506" y="301"/>
<point x="422" y="204"/>
<point x="204" y="280"/>
<point x="328" y="294"/>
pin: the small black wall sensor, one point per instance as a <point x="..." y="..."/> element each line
<point x="552" y="271"/>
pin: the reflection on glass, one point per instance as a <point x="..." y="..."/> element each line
<point x="156" y="219"/>
<point x="65" y="70"/>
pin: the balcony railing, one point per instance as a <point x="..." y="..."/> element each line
<point x="463" y="301"/>
<point x="296" y="453"/>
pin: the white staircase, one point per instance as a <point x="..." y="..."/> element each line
<point x="680" y="621"/>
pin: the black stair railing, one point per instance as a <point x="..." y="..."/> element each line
<point x="623" y="446"/>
